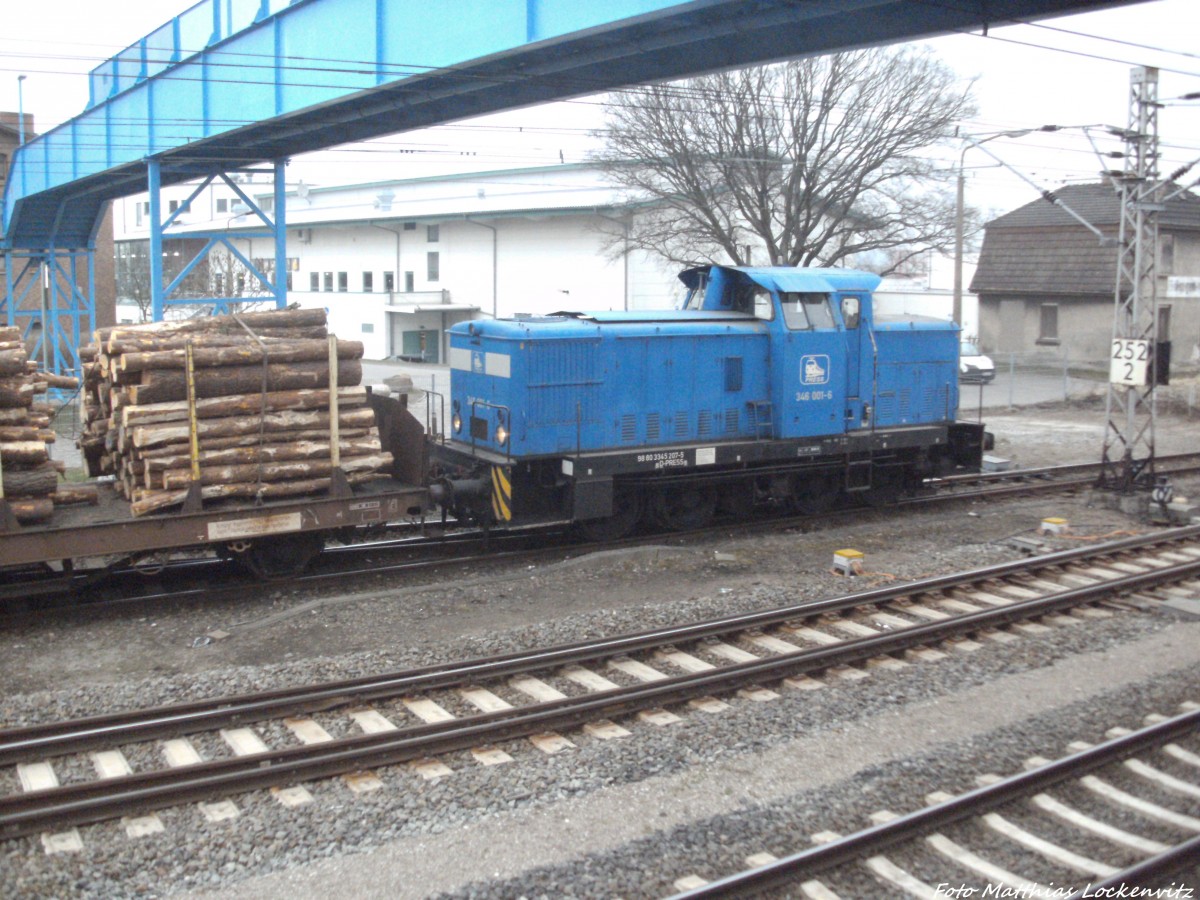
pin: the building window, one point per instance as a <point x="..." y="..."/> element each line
<point x="409" y="282"/>
<point x="1164" y="323"/>
<point x="432" y="233"/>
<point x="1166" y="254"/>
<point x="343" y="281"/>
<point x="314" y="281"/>
<point x="368" y="328"/>
<point x="289" y="281"/>
<point x="368" y="282"/>
<point x="389" y="281"/>
<point x="329" y="281"/>
<point x="222" y="204"/>
<point x="172" y="206"/>
<point x="432" y="266"/>
<point x="1048" y="326"/>
<point x="266" y="204"/>
<point x="410" y="226"/>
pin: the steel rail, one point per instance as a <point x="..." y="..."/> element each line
<point x="1187" y="460"/>
<point x="1169" y="860"/>
<point x="67" y="586"/>
<point x="23" y="814"/>
<point x="57" y="738"/>
<point x="870" y="841"/>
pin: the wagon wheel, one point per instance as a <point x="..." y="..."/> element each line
<point x="627" y="510"/>
<point x="685" y="507"/>
<point x="815" y="494"/>
<point x="280" y="557"/>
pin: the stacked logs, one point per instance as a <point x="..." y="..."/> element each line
<point x="262" y="409"/>
<point x="30" y="477"/>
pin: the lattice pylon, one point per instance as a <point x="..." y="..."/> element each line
<point x="1127" y="461"/>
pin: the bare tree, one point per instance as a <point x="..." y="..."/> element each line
<point x="805" y="163"/>
<point x="229" y="277"/>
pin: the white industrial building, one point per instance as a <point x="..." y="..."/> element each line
<point x="395" y="263"/>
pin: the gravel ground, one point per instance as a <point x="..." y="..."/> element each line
<point x="608" y="818"/>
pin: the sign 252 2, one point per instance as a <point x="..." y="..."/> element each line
<point x="1130" y="362"/>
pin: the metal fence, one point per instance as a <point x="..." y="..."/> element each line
<point x="1026" y="379"/>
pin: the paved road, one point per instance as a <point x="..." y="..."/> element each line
<point x="1023" y="389"/>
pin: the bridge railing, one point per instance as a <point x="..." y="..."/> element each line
<point x="201" y="26"/>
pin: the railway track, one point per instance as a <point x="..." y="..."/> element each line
<point x="349" y="727"/>
<point x="414" y="552"/>
<point x="1156" y="767"/>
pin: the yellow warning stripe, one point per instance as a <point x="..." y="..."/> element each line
<point x="501" y="494"/>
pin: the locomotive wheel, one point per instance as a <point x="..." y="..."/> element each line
<point x="685" y="508"/>
<point x="815" y="494"/>
<point x="627" y="510"/>
<point x="281" y="557"/>
<point x="736" y="499"/>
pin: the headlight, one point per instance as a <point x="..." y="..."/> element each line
<point x="501" y="435"/>
<point x="456" y="423"/>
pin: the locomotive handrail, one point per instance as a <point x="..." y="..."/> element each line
<point x="506" y="447"/>
<point x="429" y="425"/>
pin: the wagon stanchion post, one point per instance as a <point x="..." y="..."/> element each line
<point x="338" y="485"/>
<point x="194" y="500"/>
<point x="8" y="520"/>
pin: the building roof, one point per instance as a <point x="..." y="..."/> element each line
<point x="1099" y="204"/>
<point x="1029" y="261"/>
<point x="1041" y="249"/>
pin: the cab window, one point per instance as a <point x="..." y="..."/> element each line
<point x="763" y="307"/>
<point x="755" y="299"/>
<point x="851" y="311"/>
<point x="806" y="311"/>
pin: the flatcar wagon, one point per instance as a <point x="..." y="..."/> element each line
<point x="272" y="538"/>
<point x="774" y="385"/>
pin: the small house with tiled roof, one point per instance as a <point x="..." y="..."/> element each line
<point x="1046" y="283"/>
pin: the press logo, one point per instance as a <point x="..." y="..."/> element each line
<point x="814" y="369"/>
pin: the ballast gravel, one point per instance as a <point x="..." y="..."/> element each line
<point x="625" y="817"/>
<point x="651" y="765"/>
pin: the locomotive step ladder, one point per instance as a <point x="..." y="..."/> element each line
<point x="760" y="418"/>
<point x="858" y="474"/>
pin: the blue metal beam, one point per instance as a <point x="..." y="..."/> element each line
<point x="274" y="228"/>
<point x="233" y="82"/>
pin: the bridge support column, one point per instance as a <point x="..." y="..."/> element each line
<point x="51" y="296"/>
<point x="225" y="274"/>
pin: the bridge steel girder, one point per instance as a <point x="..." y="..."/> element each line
<point x="291" y="76"/>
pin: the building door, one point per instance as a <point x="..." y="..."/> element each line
<point x="421" y="345"/>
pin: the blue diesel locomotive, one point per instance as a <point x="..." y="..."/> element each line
<point x="774" y="385"/>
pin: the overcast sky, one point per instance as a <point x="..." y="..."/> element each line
<point x="1026" y="76"/>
